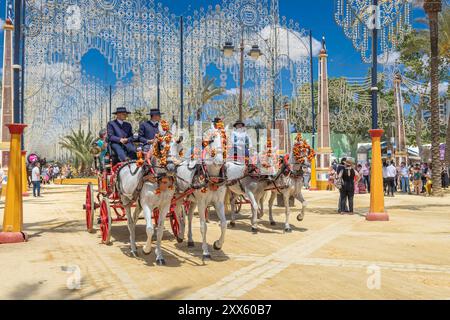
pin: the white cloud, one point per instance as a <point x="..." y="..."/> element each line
<point x="417" y="3"/>
<point x="443" y="87"/>
<point x="292" y="43"/>
<point x="2" y="22"/>
<point x="425" y="89"/>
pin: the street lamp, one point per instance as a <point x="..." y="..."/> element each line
<point x="228" y="51"/>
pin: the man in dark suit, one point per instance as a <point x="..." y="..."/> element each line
<point x="120" y="135"/>
<point x="149" y="129"/>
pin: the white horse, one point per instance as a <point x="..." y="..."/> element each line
<point x="212" y="192"/>
<point x="249" y="185"/>
<point x="149" y="197"/>
<point x="288" y="183"/>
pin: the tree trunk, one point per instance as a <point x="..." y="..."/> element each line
<point x="432" y="8"/>
<point x="419" y="126"/>
<point x="447" y="145"/>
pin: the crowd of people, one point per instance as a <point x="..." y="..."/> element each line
<point x="351" y="180"/>
<point x="43" y="173"/>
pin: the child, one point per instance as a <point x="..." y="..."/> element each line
<point x="417" y="179"/>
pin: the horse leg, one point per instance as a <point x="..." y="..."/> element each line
<point x="132" y="229"/>
<point x="300" y="198"/>
<point x="164" y="209"/>
<point x="190" y="217"/>
<point x="137" y="212"/>
<point x="220" y="209"/>
<point x="260" y="201"/>
<point x="255" y="209"/>
<point x="286" y="197"/>
<point x="148" y="211"/>
<point x="179" y="211"/>
<point x="203" y="229"/>
<point x="233" y="210"/>
<point x="271" y="201"/>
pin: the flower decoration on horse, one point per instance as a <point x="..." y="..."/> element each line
<point x="218" y="130"/>
<point x="161" y="146"/>
<point x="302" y="151"/>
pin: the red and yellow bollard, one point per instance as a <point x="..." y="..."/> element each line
<point x="313" y="182"/>
<point x="377" y="211"/>
<point x="13" y="214"/>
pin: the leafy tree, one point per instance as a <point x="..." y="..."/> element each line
<point x="78" y="143"/>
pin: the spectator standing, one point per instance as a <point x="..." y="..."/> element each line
<point x="417" y="179"/>
<point x="339" y="170"/>
<point x="404" y="178"/>
<point x="444" y="177"/>
<point x="55" y="172"/>
<point x="348" y="175"/>
<point x="366" y="175"/>
<point x="306" y="176"/>
<point x="425" y="170"/>
<point x="385" y="180"/>
<point x="36" y="179"/>
<point x="391" y="173"/>
<point x="331" y="178"/>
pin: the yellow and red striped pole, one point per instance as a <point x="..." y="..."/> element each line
<point x="13" y="214"/>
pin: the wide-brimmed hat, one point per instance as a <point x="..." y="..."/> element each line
<point x="239" y="122"/>
<point x="155" y="112"/>
<point x="350" y="162"/>
<point x="121" y="110"/>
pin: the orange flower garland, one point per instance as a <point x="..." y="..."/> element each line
<point x="268" y="154"/>
<point x="302" y="151"/>
<point x="159" y="138"/>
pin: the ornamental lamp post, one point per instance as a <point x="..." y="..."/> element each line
<point x="228" y="51"/>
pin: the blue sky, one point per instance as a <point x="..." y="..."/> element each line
<point x="311" y="14"/>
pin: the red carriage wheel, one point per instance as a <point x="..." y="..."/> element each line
<point x="106" y="221"/>
<point x="238" y="204"/>
<point x="175" y="225"/>
<point x="90" y="208"/>
<point x="156" y="216"/>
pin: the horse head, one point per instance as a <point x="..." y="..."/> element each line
<point x="216" y="147"/>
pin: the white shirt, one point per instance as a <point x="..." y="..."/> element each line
<point x="56" y="170"/>
<point x="35" y="174"/>
<point x="391" y="171"/>
<point x="238" y="139"/>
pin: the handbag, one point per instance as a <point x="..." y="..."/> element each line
<point x="339" y="182"/>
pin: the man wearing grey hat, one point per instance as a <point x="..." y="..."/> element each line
<point x="149" y="129"/>
<point x="120" y="135"/>
<point x="241" y="142"/>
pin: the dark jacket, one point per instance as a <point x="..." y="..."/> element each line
<point x="147" y="131"/>
<point x="117" y="131"/>
<point x="348" y="177"/>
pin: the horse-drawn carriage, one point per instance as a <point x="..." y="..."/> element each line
<point x="196" y="183"/>
<point x="108" y="200"/>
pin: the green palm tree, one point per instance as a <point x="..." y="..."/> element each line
<point x="79" y="143"/>
<point x="208" y="91"/>
<point x="432" y="8"/>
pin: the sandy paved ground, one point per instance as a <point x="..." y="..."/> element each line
<point x="328" y="256"/>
